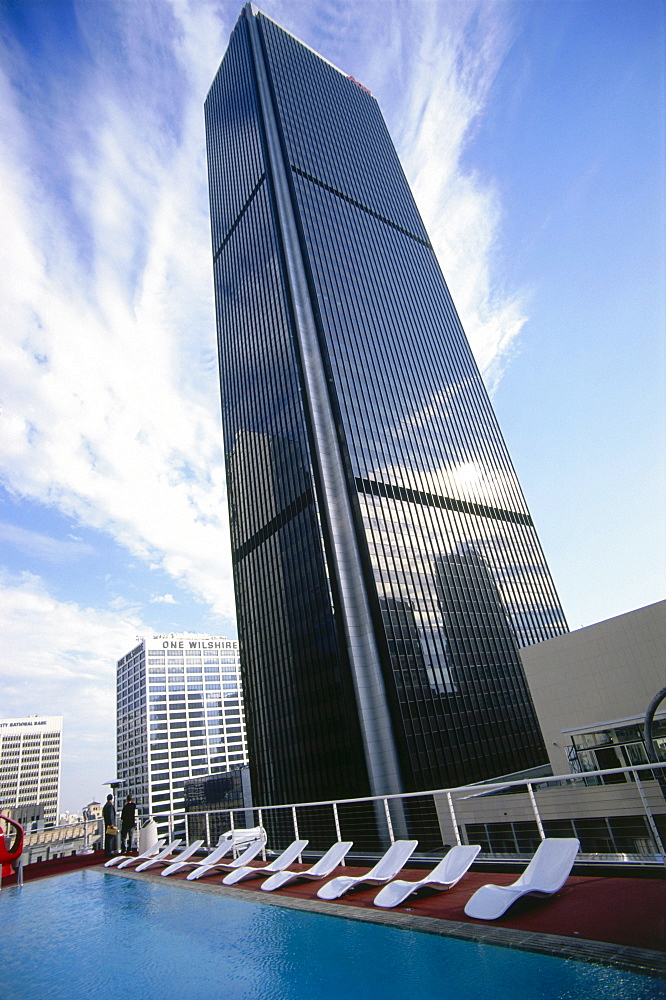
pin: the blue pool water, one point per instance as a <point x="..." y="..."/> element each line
<point x="88" y="933"/>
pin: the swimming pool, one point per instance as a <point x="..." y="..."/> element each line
<point x="87" y="932"/>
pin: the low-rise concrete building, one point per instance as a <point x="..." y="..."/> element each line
<point x="592" y="688"/>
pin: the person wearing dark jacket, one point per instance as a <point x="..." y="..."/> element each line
<point x="127" y="824"/>
<point x="109" y="817"/>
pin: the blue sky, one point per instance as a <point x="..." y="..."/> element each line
<point x="533" y="136"/>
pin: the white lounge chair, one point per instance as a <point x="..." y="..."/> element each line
<point x="283" y="861"/>
<point x="386" y="869"/>
<point x="120" y="859"/>
<point x="164" y="853"/>
<point x="223" y="847"/>
<point x="242" y="836"/>
<point x="546" y="873"/>
<point x="321" y="869"/>
<point x="449" y="871"/>
<point x="205" y="868"/>
<point x="183" y="856"/>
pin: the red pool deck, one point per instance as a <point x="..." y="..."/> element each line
<point x="623" y="911"/>
<point x="627" y="912"/>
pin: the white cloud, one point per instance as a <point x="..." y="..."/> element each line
<point x="59" y="659"/>
<point x="164" y="599"/>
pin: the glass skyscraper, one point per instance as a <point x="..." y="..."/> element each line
<point x="385" y="563"/>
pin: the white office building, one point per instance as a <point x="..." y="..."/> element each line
<point x="30" y="766"/>
<point x="179" y="715"/>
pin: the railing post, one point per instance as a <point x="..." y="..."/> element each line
<point x="388" y="820"/>
<point x="453" y="818"/>
<point x="337" y="826"/>
<point x="536" y="812"/>
<point x="261" y="826"/>
<point x="232" y="827"/>
<point x="296" y="837"/>
<point x="187" y="828"/>
<point x="650" y="817"/>
<point x="208" y="843"/>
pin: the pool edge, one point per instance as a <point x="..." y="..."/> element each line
<point x="642" y="961"/>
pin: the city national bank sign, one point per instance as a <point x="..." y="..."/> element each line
<point x="24" y="722"/>
<point x="214" y="642"/>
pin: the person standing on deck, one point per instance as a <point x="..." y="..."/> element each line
<point x="127" y="824"/>
<point x="109" y="817"/>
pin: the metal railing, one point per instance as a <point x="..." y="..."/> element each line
<point x="618" y="814"/>
<point x="59" y="841"/>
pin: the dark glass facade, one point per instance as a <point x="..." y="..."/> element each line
<point x="386" y="566"/>
<point x="217" y="794"/>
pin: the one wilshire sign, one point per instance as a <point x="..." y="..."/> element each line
<point x="385" y="563"/>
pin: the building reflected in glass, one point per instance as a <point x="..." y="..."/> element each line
<point x="386" y="566"/>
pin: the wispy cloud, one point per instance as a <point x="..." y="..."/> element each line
<point x="108" y="390"/>
<point x="35" y="544"/>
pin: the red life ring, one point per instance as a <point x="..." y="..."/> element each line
<point x="9" y="855"/>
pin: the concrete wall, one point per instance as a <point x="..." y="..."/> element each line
<point x="597" y="674"/>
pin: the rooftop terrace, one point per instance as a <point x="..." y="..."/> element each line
<point x="611" y="910"/>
